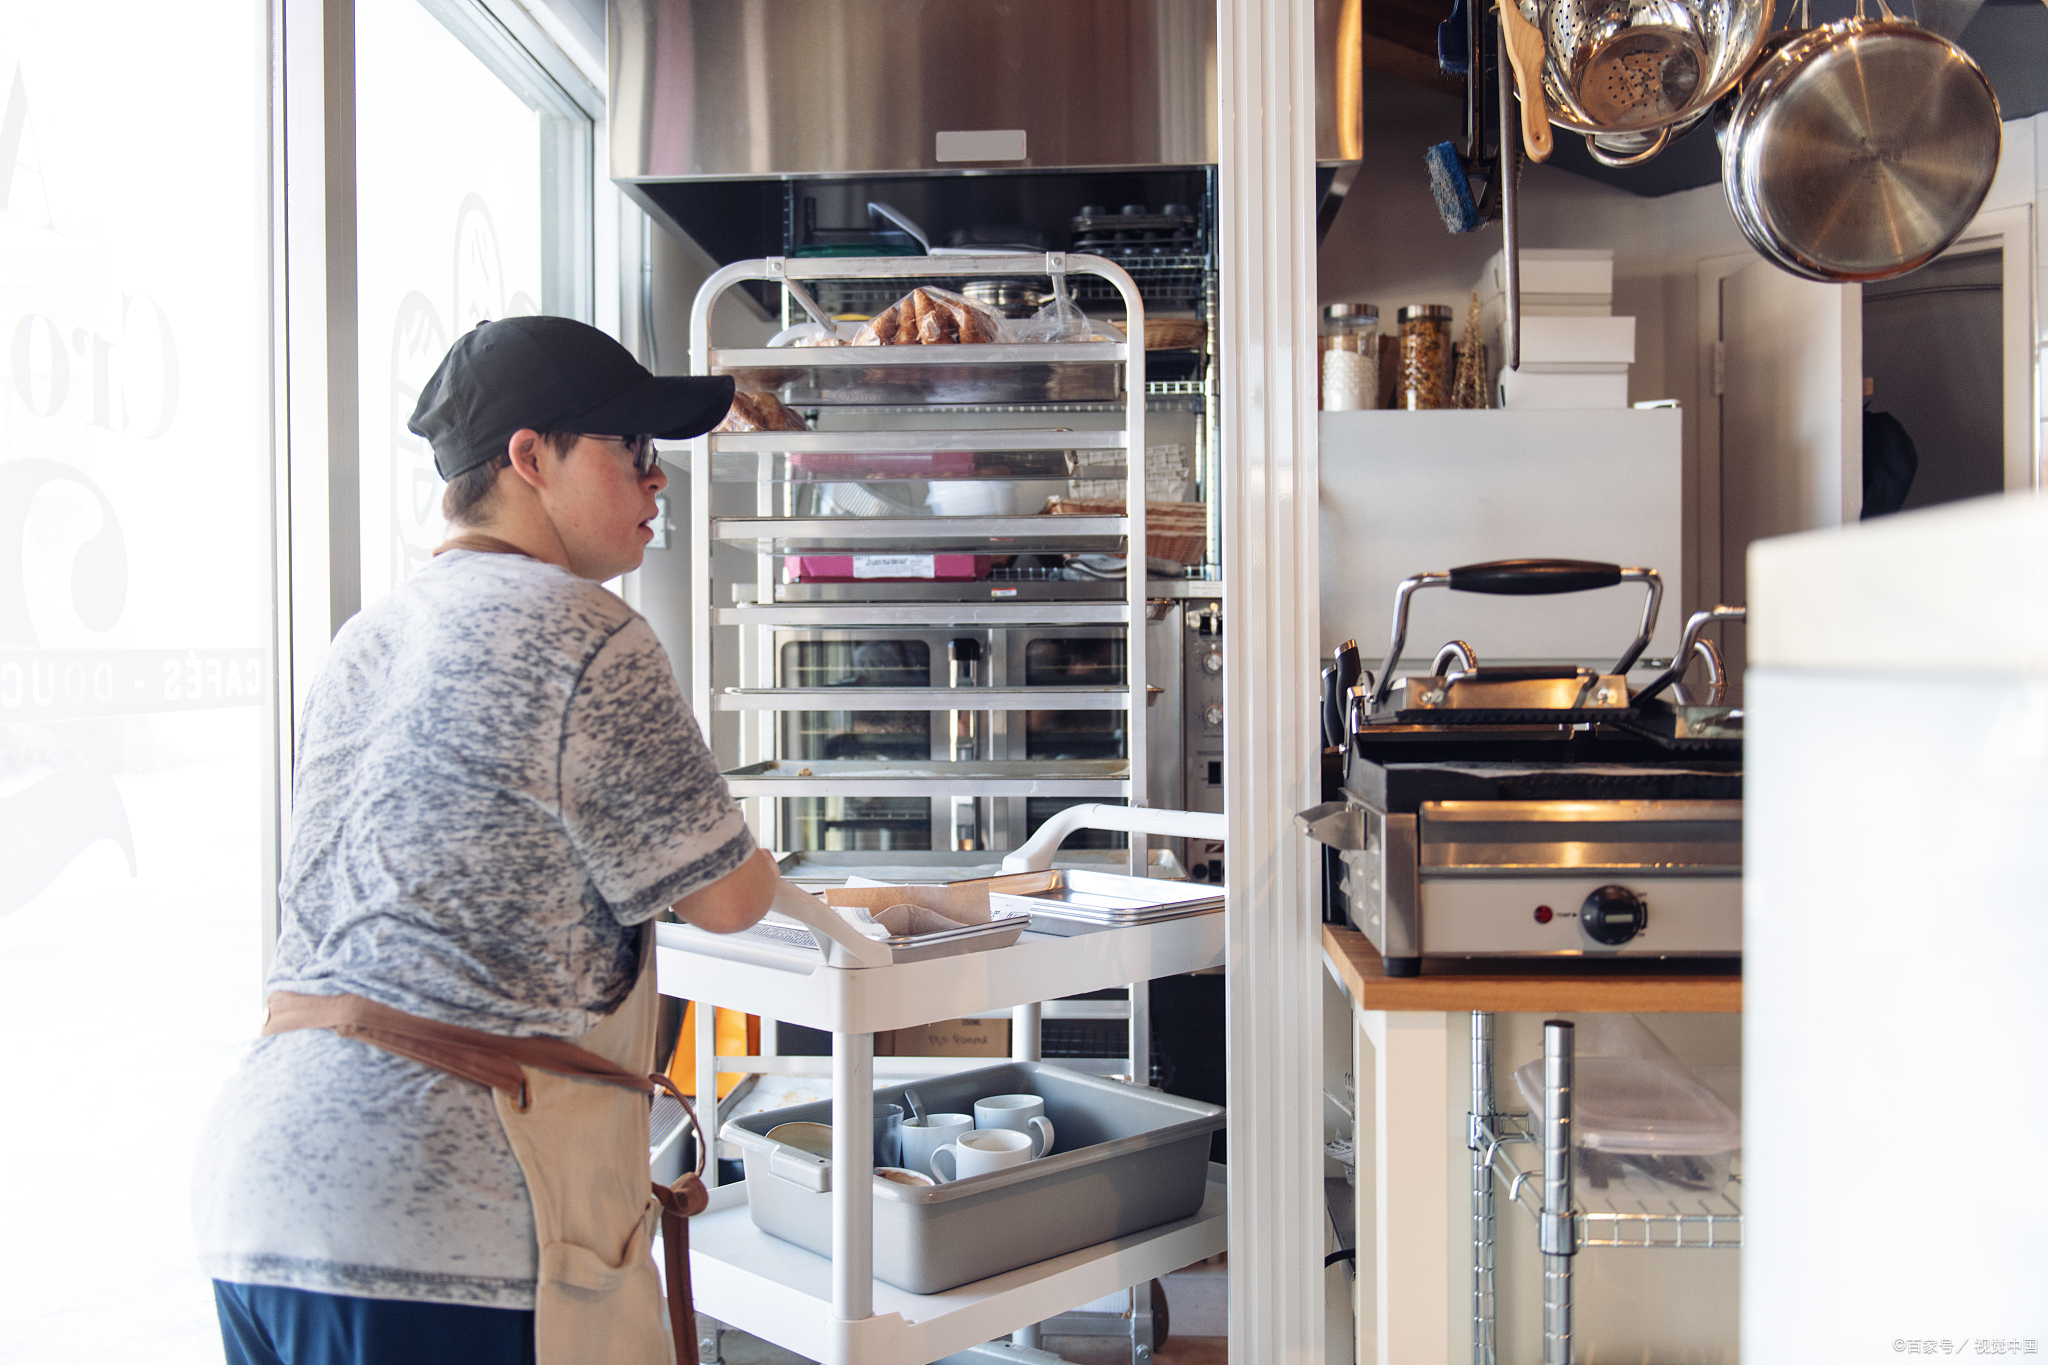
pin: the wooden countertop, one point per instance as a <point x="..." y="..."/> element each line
<point x="1527" y="991"/>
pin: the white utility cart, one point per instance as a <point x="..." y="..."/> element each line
<point x="833" y="1310"/>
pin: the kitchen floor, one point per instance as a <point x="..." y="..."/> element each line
<point x="1197" y="1298"/>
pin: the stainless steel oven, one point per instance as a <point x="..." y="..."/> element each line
<point x="1184" y="645"/>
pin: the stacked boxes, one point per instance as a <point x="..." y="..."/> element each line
<point x="1574" y="353"/>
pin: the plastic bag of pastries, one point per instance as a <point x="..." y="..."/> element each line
<point x="760" y="412"/>
<point x="931" y="317"/>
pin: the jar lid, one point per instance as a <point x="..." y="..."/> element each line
<point x="1431" y="311"/>
<point x="1363" y="311"/>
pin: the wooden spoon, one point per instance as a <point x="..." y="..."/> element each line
<point x="1525" y="53"/>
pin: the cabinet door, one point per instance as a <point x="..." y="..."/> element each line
<point x="1791" y="428"/>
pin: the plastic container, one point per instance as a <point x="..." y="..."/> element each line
<point x="1425" y="380"/>
<point x="1127" y="1159"/>
<point x="1350" y="346"/>
<point x="1641" y="1127"/>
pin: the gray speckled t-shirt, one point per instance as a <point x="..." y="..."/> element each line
<point x="497" y="782"/>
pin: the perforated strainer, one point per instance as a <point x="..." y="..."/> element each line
<point x="1628" y="72"/>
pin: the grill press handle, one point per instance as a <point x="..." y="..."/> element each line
<point x="1524" y="577"/>
<point x="1534" y="577"/>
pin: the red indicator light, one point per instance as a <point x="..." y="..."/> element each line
<point x="1544" y="914"/>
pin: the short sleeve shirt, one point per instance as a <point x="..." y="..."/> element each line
<point x="497" y="781"/>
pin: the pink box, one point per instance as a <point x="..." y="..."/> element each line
<point x="889" y="568"/>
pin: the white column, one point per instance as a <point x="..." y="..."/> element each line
<point x="1267" y="262"/>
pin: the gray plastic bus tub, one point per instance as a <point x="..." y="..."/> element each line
<point x="1124" y="1159"/>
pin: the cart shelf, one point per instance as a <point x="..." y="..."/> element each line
<point x="781" y="1293"/>
<point x="842" y="614"/>
<point x="796" y="987"/>
<point x="926" y="777"/>
<point x="868" y="535"/>
<point x="923" y="699"/>
<point x="1020" y="439"/>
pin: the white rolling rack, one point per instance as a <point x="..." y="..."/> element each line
<point x="832" y="1310"/>
<point x="950" y="379"/>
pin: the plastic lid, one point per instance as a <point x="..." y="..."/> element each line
<point x="1432" y="311"/>
<point x="1363" y="311"/>
<point x="1627" y="1104"/>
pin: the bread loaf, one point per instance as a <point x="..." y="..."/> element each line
<point x="760" y="412"/>
<point x="930" y="317"/>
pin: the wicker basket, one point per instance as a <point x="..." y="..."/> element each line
<point x="1173" y="530"/>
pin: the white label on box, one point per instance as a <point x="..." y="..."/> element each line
<point x="895" y="566"/>
<point x="982" y="144"/>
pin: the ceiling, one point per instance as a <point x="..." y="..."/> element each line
<point x="2008" y="39"/>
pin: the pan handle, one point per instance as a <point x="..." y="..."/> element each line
<point x="1524" y="578"/>
<point x="1620" y="161"/>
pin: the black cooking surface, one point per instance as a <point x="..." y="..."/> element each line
<point x="1404" y="786"/>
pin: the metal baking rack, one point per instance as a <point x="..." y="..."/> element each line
<point x="1566" y="1222"/>
<point x="960" y="380"/>
<point x="832" y="1309"/>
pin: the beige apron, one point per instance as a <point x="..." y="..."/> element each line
<point x="576" y="1115"/>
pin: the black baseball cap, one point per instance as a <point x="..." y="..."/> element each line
<point x="553" y="374"/>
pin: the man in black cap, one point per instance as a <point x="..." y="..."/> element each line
<point x="497" y="786"/>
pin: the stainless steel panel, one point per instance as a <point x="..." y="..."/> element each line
<point x="1688" y="917"/>
<point x="1381" y="884"/>
<point x="747" y="88"/>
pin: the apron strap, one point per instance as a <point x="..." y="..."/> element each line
<point x="487" y="1059"/>
<point x="679" y="1203"/>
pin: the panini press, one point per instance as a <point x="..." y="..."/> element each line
<point x="1544" y="812"/>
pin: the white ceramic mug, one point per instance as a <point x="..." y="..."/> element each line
<point x="1016" y="1114"/>
<point x="981" y="1152"/>
<point x="920" y="1140"/>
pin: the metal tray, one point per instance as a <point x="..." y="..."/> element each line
<point x="972" y="938"/>
<point x="840" y="376"/>
<point x="1126" y="1158"/>
<point x="1080" y="897"/>
<point x="922" y="777"/>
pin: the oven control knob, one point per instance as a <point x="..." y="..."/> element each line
<point x="1212" y="714"/>
<point x="1613" y="915"/>
<point x="1212" y="661"/>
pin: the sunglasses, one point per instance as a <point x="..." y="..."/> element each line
<point x="639" y="448"/>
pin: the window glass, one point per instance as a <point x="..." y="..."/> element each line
<point x="450" y="224"/>
<point x="135" y="686"/>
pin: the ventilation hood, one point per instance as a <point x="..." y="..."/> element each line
<point x="744" y="89"/>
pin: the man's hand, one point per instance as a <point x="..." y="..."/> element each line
<point x="735" y="901"/>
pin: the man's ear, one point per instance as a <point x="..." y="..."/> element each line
<point x="525" y="449"/>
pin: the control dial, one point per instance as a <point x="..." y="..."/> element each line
<point x="1212" y="714"/>
<point x="1212" y="661"/>
<point x="1613" y="915"/>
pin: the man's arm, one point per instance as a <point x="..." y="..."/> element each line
<point x="735" y="901"/>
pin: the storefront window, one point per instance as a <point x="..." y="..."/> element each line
<point x="136" y="685"/>
<point x="472" y="196"/>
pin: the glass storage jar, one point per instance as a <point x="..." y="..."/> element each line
<point x="1425" y="357"/>
<point x="1350" y="348"/>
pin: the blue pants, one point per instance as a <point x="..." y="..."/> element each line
<point x="264" y="1325"/>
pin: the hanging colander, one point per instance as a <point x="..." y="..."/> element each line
<point x="1631" y="74"/>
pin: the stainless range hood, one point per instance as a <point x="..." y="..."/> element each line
<point x="742" y="89"/>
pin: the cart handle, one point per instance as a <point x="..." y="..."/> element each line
<point x="825" y="923"/>
<point x="1035" y="854"/>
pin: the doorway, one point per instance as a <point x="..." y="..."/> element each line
<point x="1933" y="360"/>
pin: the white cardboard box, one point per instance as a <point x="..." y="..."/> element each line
<point x="1579" y="341"/>
<point x="1551" y="271"/>
<point x="1527" y="390"/>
